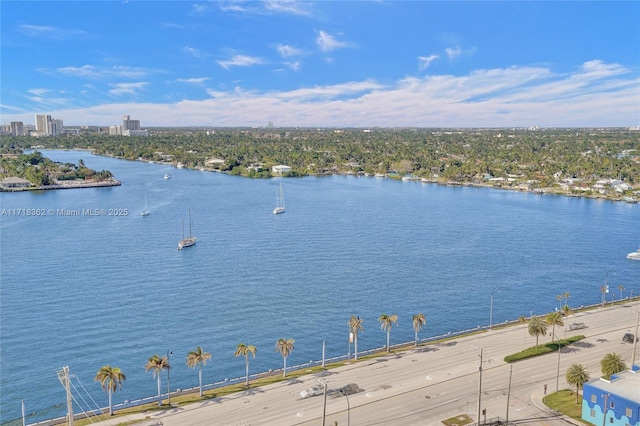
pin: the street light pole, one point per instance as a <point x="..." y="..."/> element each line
<point x="606" y="287"/>
<point x="169" y="353"/>
<point x="348" y="407"/>
<point x="324" y="405"/>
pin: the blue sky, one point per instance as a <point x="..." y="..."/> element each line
<point x="322" y="63"/>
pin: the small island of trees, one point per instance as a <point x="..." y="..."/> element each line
<point x="42" y="172"/>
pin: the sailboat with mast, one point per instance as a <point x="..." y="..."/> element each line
<point x="146" y="211"/>
<point x="187" y="241"/>
<point x="279" y="201"/>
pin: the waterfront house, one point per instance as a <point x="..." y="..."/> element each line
<point x="281" y="169"/>
<point x="14" y="183"/>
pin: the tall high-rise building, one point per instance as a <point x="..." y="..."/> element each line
<point x="17" y="128"/>
<point x="45" y="125"/>
<point x="56" y="127"/>
<point x="42" y="124"/>
<point x="128" y="124"/>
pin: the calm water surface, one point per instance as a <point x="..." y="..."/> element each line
<point x="86" y="291"/>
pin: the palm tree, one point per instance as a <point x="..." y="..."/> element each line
<point x="158" y="364"/>
<point x="559" y="299"/>
<point x="284" y="346"/>
<point x="111" y="379"/>
<point x="356" y="325"/>
<point x="386" y="321"/>
<point x="245" y="350"/>
<point x="198" y="358"/>
<point x="537" y="327"/>
<point x="419" y="320"/>
<point x="611" y="364"/>
<point x="577" y="376"/>
<point x="553" y="319"/>
<point x="620" y="287"/>
<point x="566" y="296"/>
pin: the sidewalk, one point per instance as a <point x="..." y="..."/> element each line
<point x="536" y="399"/>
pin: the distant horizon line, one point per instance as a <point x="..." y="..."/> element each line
<point x="85" y="126"/>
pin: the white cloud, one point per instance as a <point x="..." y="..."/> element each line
<point x="286" y="6"/>
<point x="290" y="7"/>
<point x="327" y="42"/>
<point x="295" y="66"/>
<point x="199" y="80"/>
<point x="240" y="61"/>
<point x="425" y="61"/>
<point x="595" y="94"/>
<point x="120" y="89"/>
<point x="93" y="72"/>
<point x="455" y="52"/>
<point x="287" y="51"/>
<point x="49" y="31"/>
<point x="199" y="9"/>
<point x="196" y="53"/>
<point x="38" y="92"/>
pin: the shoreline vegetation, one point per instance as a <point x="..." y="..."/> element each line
<point x="601" y="163"/>
<point x="34" y="172"/>
<point x="190" y="396"/>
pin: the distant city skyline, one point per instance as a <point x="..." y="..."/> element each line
<point x="322" y="64"/>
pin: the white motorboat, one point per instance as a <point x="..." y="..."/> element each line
<point x="635" y="255"/>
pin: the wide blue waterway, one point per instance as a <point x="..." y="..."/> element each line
<point x="86" y="291"/>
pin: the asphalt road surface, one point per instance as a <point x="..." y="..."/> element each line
<point x="428" y="384"/>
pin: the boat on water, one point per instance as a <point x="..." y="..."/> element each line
<point x="279" y="201"/>
<point x="634" y="255"/>
<point x="187" y="241"/>
<point x="167" y="176"/>
<point x="146" y="211"/>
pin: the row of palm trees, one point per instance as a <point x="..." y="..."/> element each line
<point x="610" y="364"/>
<point x="386" y="323"/>
<point x="111" y="378"/>
<point x="538" y="326"/>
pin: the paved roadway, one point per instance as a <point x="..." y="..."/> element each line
<point x="428" y="384"/>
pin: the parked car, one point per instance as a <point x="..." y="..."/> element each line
<point x="312" y="391"/>
<point x="350" y="389"/>
<point x="577" y="326"/>
<point x="628" y="338"/>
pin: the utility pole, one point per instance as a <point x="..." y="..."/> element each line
<point x="509" y="392"/>
<point x="479" y="385"/>
<point x="604" y="409"/>
<point x="635" y="340"/>
<point x="63" y="376"/>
